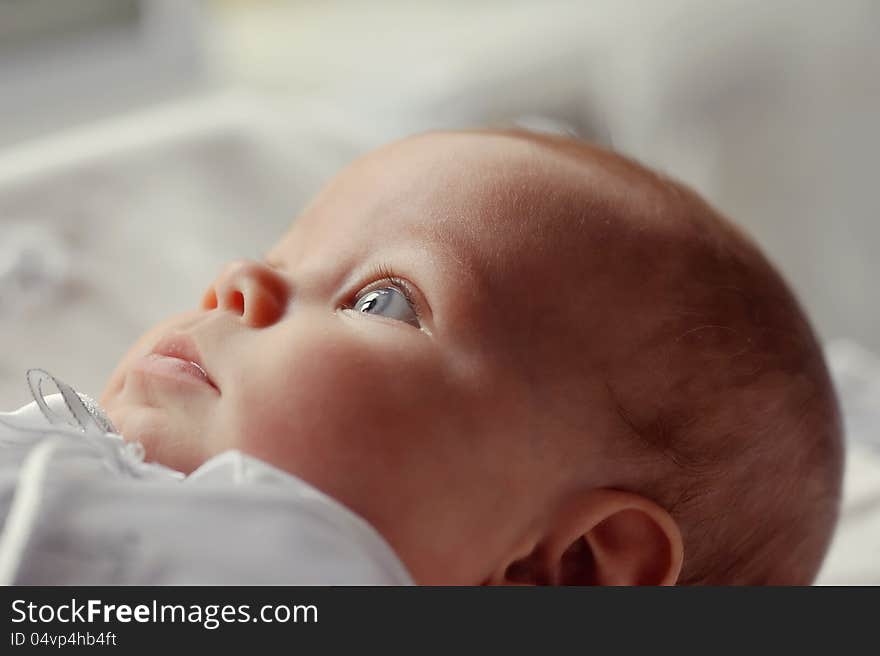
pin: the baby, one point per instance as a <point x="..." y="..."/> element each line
<point x="522" y="360"/>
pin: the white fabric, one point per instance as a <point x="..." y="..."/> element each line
<point x="85" y="510"/>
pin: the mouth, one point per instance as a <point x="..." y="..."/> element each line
<point x="177" y="356"/>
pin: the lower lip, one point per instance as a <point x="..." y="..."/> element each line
<point x="174" y="369"/>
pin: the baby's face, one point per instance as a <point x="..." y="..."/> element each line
<point x="392" y="349"/>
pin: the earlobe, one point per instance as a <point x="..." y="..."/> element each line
<point x="600" y="537"/>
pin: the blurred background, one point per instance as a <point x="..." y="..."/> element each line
<point x="145" y="142"/>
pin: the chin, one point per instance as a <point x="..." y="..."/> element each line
<point x="162" y="443"/>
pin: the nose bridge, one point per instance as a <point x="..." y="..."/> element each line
<point x="254" y="291"/>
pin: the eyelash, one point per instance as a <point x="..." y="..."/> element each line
<point x="382" y="273"/>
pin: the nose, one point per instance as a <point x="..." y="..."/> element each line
<point x="252" y="290"/>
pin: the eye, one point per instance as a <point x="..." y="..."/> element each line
<point x="388" y="302"/>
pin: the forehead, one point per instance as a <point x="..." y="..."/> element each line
<point x="485" y="201"/>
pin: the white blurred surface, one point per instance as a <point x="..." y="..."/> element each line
<point x="66" y="64"/>
<point x="854" y="556"/>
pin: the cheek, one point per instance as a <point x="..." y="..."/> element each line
<point x="368" y="419"/>
<point x="330" y="397"/>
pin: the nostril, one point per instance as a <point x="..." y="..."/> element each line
<point x="236" y="302"/>
<point x="209" y="300"/>
<point x="232" y="301"/>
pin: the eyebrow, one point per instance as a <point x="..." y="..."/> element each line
<point x="272" y="262"/>
<point x="417" y="236"/>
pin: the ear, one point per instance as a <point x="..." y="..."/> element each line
<point x="599" y="537"/>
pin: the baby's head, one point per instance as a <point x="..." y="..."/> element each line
<point x="523" y="360"/>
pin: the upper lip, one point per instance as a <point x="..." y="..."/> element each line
<point x="182" y="347"/>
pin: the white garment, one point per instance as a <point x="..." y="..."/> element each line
<point x="79" y="507"/>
